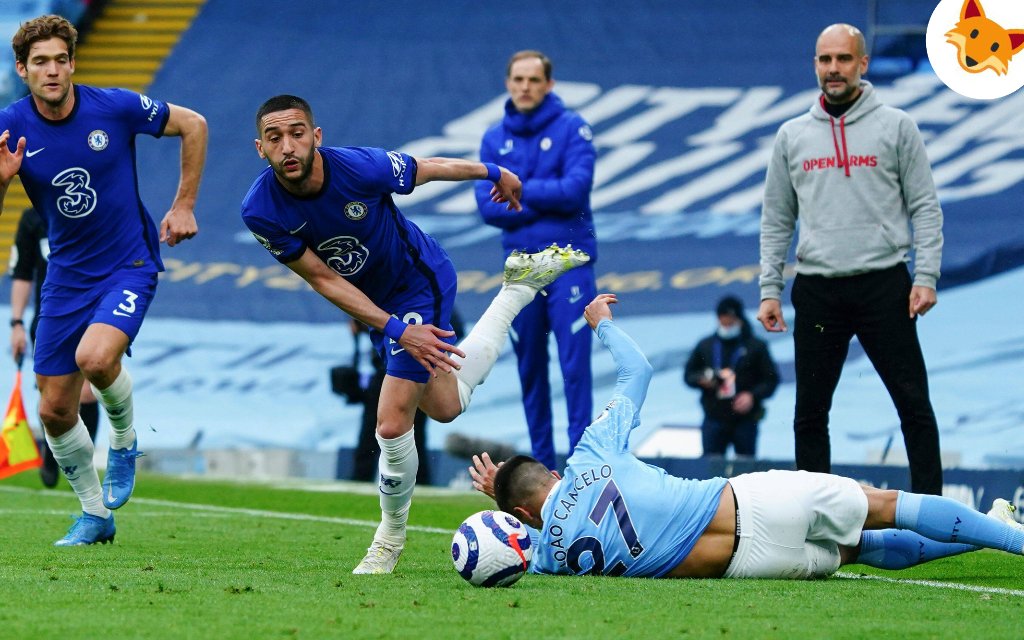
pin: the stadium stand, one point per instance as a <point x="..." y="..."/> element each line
<point x="684" y="105"/>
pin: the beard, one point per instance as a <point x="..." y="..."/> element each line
<point x="839" y="96"/>
<point x="305" y="168"/>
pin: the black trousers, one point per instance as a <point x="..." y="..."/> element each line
<point x="875" y="308"/>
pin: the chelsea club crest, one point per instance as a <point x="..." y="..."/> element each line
<point x="98" y="140"/>
<point x="355" y="211"/>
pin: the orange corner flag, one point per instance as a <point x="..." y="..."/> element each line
<point x="18" y="451"/>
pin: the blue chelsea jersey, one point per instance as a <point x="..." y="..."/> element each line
<point x="80" y="174"/>
<point x="612" y="514"/>
<point x="352" y="223"/>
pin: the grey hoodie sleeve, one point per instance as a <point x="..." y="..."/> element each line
<point x="922" y="204"/>
<point x="778" y="219"/>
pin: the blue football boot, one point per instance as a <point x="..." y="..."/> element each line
<point x="119" y="481"/>
<point x="88" y="529"/>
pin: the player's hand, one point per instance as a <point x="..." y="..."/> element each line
<point x="599" y="309"/>
<point x="770" y="315"/>
<point x="509" y="189"/>
<point x="922" y="299"/>
<point x="179" y="224"/>
<point x="19" y="343"/>
<point x="10" y="163"/>
<point x="482" y="472"/>
<point x="423" y="342"/>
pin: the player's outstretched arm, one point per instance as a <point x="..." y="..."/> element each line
<point x="180" y="222"/>
<point x="10" y="163"/>
<point x="633" y="371"/>
<point x="423" y="342"/>
<point x="507" y="187"/>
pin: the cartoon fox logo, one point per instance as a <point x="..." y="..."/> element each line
<point x="981" y="43"/>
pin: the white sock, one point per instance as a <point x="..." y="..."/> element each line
<point x="73" y="452"/>
<point x="398" y="465"/>
<point x="484" y="343"/>
<point x="117" y="401"/>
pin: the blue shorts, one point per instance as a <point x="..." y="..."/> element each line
<point x="120" y="300"/>
<point x="427" y="300"/>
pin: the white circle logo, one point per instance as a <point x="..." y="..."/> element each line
<point x="545" y="144"/>
<point x="975" y="46"/>
<point x="98" y="140"/>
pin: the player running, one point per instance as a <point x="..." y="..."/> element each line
<point x="328" y="215"/>
<point x="74" y="148"/>
<point x="611" y="514"/>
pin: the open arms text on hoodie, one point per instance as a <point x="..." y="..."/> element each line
<point x="858" y="184"/>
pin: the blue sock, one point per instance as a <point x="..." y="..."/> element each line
<point x="900" y="548"/>
<point x="946" y="520"/>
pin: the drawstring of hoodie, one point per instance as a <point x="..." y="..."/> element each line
<point x="843" y="158"/>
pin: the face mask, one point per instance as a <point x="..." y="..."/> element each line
<point x="728" y="333"/>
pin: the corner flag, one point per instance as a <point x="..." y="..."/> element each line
<point x="18" y="450"/>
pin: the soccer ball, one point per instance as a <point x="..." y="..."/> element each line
<point x="491" y="549"/>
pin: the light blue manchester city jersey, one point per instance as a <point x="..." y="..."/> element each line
<point x="612" y="514"/>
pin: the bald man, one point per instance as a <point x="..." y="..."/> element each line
<point x="856" y="174"/>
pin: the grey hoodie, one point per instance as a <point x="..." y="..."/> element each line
<point x="858" y="184"/>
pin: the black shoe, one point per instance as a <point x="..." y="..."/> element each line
<point x="49" y="473"/>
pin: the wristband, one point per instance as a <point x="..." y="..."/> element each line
<point x="394" y="328"/>
<point x="17" y="321"/>
<point x="493" y="172"/>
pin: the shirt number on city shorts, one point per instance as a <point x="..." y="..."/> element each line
<point x="127" y="308"/>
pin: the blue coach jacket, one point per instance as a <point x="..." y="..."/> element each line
<point x="552" y="152"/>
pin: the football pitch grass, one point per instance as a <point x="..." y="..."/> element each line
<point x="204" y="559"/>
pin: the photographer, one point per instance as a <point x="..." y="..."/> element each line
<point x="735" y="374"/>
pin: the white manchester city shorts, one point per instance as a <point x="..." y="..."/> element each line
<point x="790" y="524"/>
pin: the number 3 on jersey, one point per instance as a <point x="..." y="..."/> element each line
<point x="127" y="308"/>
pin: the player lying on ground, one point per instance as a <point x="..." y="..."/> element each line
<point x="612" y="514"/>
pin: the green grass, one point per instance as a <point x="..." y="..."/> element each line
<point x="178" y="572"/>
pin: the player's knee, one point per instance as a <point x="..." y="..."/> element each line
<point x="881" y="508"/>
<point x="57" y="415"/>
<point x="98" y="368"/>
<point x="388" y="429"/>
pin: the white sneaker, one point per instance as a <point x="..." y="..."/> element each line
<point x="1003" y="511"/>
<point x="538" y="270"/>
<point x="380" y="558"/>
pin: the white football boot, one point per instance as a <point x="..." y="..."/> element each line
<point x="1002" y="511"/>
<point x="380" y="558"/>
<point x="538" y="270"/>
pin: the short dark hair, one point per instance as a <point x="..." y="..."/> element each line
<point x="283" y="103"/>
<point x="530" y="53"/>
<point x="43" y="28"/>
<point x="516" y="480"/>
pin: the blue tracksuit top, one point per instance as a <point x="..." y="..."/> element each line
<point x="551" y="150"/>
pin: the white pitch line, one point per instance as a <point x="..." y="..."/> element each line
<point x="258" y="513"/>
<point x="932" y="583"/>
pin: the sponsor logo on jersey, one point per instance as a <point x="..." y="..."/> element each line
<point x="545" y="143"/>
<point x="98" y="140"/>
<point x="586" y="133"/>
<point x="507" y="149"/>
<point x="398" y="166"/>
<point x="356" y="211"/>
<point x="149" y="105"/>
<point x="79" y="198"/>
<point x="266" y="245"/>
